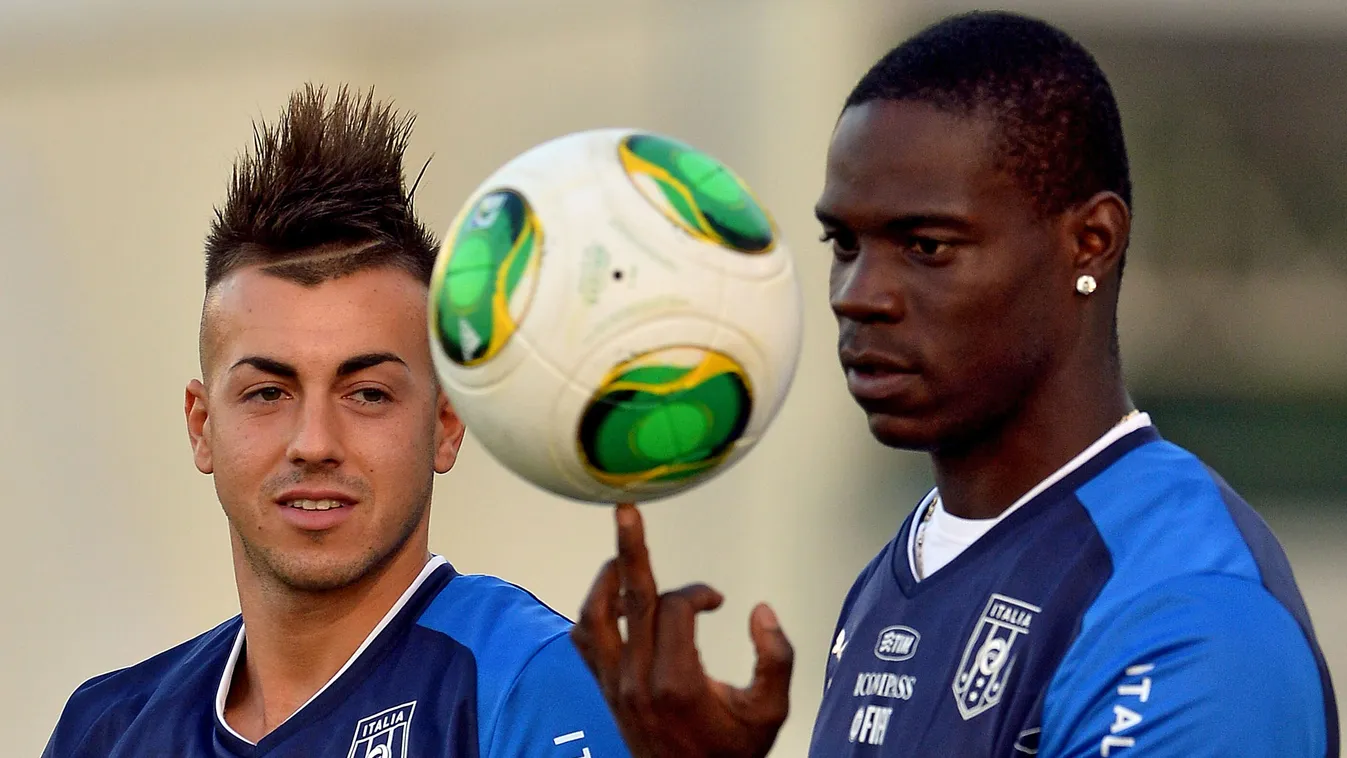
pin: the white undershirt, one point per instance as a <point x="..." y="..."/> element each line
<point x="945" y="535"/>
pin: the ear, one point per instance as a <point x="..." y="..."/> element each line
<point x="1102" y="227"/>
<point x="198" y="426"/>
<point x="448" y="434"/>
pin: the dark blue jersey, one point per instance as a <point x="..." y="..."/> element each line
<point x="464" y="666"/>
<point x="1136" y="606"/>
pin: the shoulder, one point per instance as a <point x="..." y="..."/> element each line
<point x="101" y="708"/>
<point x="532" y="686"/>
<point x="871" y="571"/>
<point x="1199" y="663"/>
<point x="1161" y="513"/>
<point x="882" y="565"/>
<point x="503" y="626"/>
<point x="501" y="623"/>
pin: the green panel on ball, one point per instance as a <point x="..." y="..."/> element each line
<point x="653" y="421"/>
<point x="697" y="192"/>
<point x="478" y="298"/>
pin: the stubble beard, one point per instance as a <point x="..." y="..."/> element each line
<point x="309" y="574"/>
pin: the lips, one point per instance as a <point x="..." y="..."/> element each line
<point x="873" y="376"/>
<point x="315" y="510"/>
<point x="315" y="496"/>
<point x="315" y="499"/>
<point x="873" y="361"/>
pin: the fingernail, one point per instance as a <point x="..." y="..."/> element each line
<point x="626" y="515"/>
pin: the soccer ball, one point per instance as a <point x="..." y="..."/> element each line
<point x="614" y="316"/>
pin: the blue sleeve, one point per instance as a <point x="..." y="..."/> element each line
<point x="86" y="717"/>
<point x="1205" y="665"/>
<point x="555" y="710"/>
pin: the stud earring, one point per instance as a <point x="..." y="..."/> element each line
<point x="1085" y="284"/>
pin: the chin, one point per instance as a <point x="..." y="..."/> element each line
<point x="904" y="432"/>
<point x="323" y="575"/>
<point x="319" y="568"/>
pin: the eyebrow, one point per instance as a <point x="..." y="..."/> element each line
<point x="352" y="365"/>
<point x="267" y="366"/>
<point x="904" y="223"/>
<point x="359" y="363"/>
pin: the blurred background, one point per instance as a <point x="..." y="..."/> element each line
<point x="119" y="123"/>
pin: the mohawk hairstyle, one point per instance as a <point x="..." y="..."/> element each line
<point x="321" y="195"/>
<point x="1059" y="132"/>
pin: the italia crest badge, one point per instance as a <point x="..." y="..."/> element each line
<point x="990" y="654"/>
<point x="383" y="735"/>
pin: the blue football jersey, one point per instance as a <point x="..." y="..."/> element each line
<point x="1134" y="607"/>
<point x="464" y="666"/>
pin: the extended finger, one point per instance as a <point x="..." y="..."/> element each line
<point x="637" y="580"/>
<point x="639" y="600"/>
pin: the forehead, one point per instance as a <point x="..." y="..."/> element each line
<point x="256" y="313"/>
<point x="895" y="158"/>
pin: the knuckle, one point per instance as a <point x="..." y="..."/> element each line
<point x="675" y="603"/>
<point x="633" y="694"/>
<point x="669" y="695"/>
<point x="637" y="603"/>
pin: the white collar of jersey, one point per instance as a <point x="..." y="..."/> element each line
<point x="222" y="692"/>
<point x="1119" y="431"/>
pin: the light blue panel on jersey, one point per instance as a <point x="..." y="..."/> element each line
<point x="557" y="711"/>
<point x="1184" y="652"/>
<point x="1204" y="665"/>
<point x="504" y="626"/>
<point x="1161" y="515"/>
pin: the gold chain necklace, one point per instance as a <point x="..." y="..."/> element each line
<point x="931" y="506"/>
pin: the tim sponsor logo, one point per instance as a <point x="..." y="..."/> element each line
<point x="896" y="643"/>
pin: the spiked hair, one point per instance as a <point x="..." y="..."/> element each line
<point x="321" y="194"/>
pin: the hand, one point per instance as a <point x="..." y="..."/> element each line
<point x="665" y="704"/>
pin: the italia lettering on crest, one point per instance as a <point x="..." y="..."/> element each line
<point x="990" y="654"/>
<point x="383" y="735"/>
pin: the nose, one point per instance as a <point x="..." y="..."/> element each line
<point x="864" y="289"/>
<point x="317" y="439"/>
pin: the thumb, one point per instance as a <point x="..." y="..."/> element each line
<point x="769" y="691"/>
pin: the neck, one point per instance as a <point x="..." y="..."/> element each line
<point x="297" y="640"/>
<point x="982" y="478"/>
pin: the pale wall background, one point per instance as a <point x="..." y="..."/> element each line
<point x="118" y="124"/>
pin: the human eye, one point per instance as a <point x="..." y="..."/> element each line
<point x="844" y="243"/>
<point x="268" y="394"/>
<point x="371" y="396"/>
<point x="928" y="247"/>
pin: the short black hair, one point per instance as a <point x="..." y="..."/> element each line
<point x="321" y="194"/>
<point x="1060" y="135"/>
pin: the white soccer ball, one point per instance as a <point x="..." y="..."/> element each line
<point x="614" y="316"/>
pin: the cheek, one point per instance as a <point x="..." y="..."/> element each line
<point x="245" y="451"/>
<point x="991" y="331"/>
<point x="397" y="455"/>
